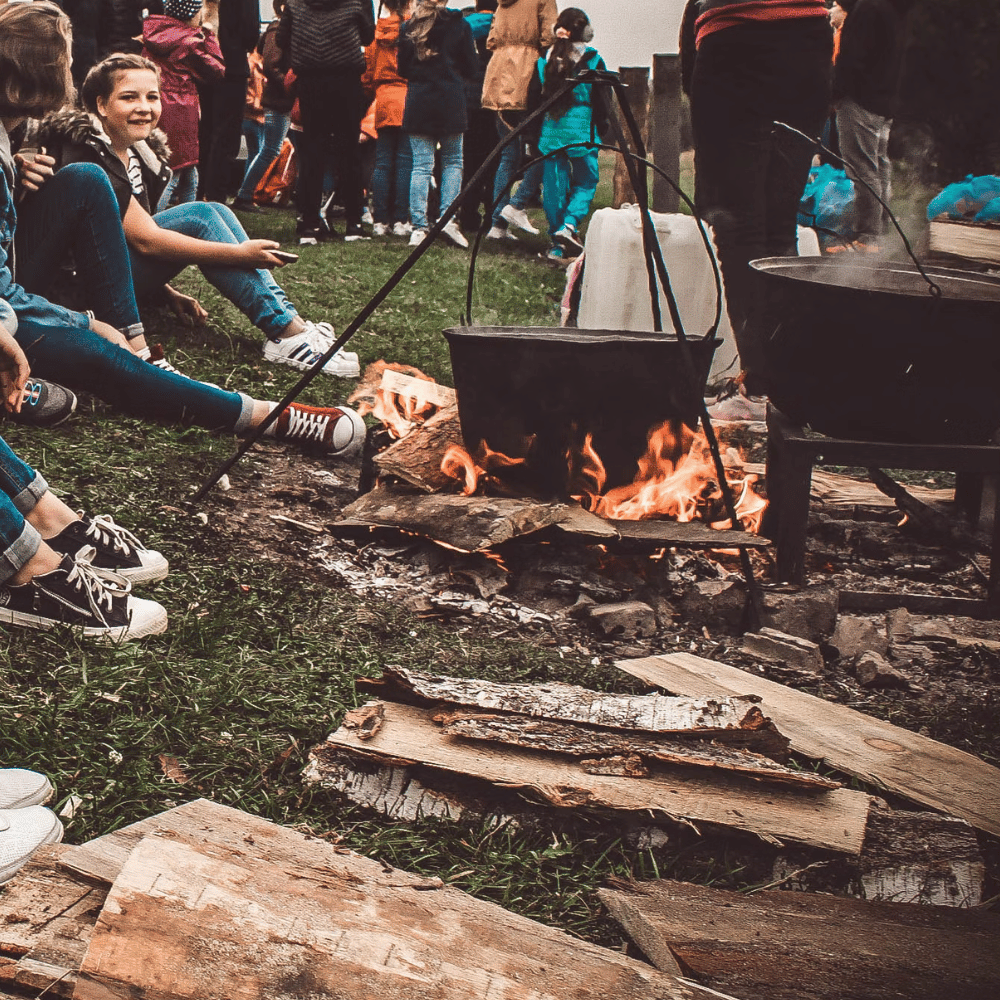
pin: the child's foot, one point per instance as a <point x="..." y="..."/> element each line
<point x="569" y="241"/>
<point x="518" y="217"/>
<point x="339" y="430"/>
<point x="116" y="549"/>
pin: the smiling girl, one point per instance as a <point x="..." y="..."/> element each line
<point x="122" y="96"/>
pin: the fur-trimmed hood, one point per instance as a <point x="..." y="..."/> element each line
<point x="76" y="126"/>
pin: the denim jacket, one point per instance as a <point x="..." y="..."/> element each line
<point x="26" y="306"/>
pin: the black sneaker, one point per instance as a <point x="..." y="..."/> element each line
<point x="44" y="404"/>
<point x="311" y="234"/>
<point x="246" y="205"/>
<point x="97" y="602"/>
<point x="116" y="549"/>
<point x="354" y="233"/>
<point x="568" y="240"/>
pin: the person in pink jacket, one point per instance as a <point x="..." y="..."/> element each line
<point x="186" y="52"/>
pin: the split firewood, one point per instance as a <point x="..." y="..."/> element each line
<point x="619" y="766"/>
<point x="416" y="458"/>
<point x="565" y="702"/>
<point x="580" y="741"/>
<point x="366" y="720"/>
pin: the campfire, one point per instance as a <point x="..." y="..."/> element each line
<point x="675" y="478"/>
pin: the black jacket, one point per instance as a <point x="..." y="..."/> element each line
<point x="326" y="36"/>
<point x="239" y="29"/>
<point x="435" y="91"/>
<point x="870" y="59"/>
<point x="74" y="137"/>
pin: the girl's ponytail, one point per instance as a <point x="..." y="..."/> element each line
<point x="572" y="26"/>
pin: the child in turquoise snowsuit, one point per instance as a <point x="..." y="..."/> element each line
<point x="569" y="179"/>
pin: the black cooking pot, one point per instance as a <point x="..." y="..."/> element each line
<point x="865" y="350"/>
<point x="535" y="392"/>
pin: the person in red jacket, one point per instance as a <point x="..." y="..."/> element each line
<point x="186" y="53"/>
<point x="393" y="160"/>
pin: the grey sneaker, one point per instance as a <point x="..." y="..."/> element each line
<point x="44" y="404"/>
<point x="22" y="832"/>
<point x="20" y="788"/>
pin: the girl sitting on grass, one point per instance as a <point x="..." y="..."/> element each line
<point x="122" y="96"/>
<point x="569" y="177"/>
<point x="72" y="348"/>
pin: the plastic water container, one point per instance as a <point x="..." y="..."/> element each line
<point x="615" y="293"/>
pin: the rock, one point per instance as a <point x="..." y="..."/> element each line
<point x="874" y="671"/>
<point x="715" y="602"/>
<point x="777" y="647"/>
<point x="904" y="627"/>
<point x="629" y="620"/>
<point x="855" y="635"/>
<point x="810" y="612"/>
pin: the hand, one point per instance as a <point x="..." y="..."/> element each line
<point x="14" y="371"/>
<point x="186" y="308"/>
<point x="108" y="332"/>
<point x="34" y="171"/>
<point x="255" y="254"/>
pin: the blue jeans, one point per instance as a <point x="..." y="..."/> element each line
<point x="271" y="135"/>
<point x="20" y="489"/>
<point x="510" y="160"/>
<point x="181" y="188"/>
<point x="569" y="186"/>
<point x="422" y="147"/>
<point x="391" y="177"/>
<point x="255" y="293"/>
<point x="76" y="211"/>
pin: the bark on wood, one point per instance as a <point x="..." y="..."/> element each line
<point x="799" y="946"/>
<point x="46" y="919"/>
<point x="690" y="534"/>
<point x="578" y="741"/>
<point x="665" y="129"/>
<point x="416" y="458"/>
<point x="884" y="755"/>
<point x="568" y="703"/>
<point x="636" y="78"/>
<point x="834" y="819"/>
<point x="244" y="910"/>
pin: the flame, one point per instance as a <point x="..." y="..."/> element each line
<point x="399" y="413"/>
<point x="459" y="464"/>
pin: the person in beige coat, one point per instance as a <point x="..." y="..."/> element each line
<point x="522" y="30"/>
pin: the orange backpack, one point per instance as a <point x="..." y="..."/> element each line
<point x="277" y="185"/>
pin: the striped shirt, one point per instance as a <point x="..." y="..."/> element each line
<point x="135" y="175"/>
<point x="716" y="15"/>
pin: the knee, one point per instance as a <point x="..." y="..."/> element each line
<point x="87" y="178"/>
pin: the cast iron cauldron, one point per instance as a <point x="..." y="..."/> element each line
<point x="551" y="387"/>
<point x="864" y="350"/>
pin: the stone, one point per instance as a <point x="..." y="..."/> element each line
<point x="809" y="612"/>
<point x="778" y="647"/>
<point x="629" y="620"/>
<point x="855" y="635"/>
<point x="904" y="627"/>
<point x="874" y="671"/>
<point x="715" y="602"/>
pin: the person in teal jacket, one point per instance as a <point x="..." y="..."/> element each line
<point x="569" y="179"/>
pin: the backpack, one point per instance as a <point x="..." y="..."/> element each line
<point x="277" y="185"/>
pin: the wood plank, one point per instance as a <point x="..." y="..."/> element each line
<point x="800" y="946"/>
<point x="833" y="819"/>
<point x="972" y="240"/>
<point x="884" y="755"/>
<point x="690" y="534"/>
<point x="283" y="915"/>
<point x="569" y="703"/>
<point x="579" y="741"/>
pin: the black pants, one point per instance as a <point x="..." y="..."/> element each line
<point x="331" y="106"/>
<point x="749" y="175"/>
<point x="219" y="131"/>
<point x="478" y="143"/>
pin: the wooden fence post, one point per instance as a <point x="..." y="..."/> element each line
<point x="636" y="79"/>
<point x="665" y="129"/>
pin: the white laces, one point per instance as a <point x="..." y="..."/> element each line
<point x="103" y="529"/>
<point x="99" y="588"/>
<point x="307" y="426"/>
<point x="319" y="336"/>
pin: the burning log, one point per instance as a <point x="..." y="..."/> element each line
<point x="416" y="458"/>
<point x="581" y="741"/>
<point x="565" y="702"/>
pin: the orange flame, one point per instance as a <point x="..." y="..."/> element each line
<point x="399" y="413"/>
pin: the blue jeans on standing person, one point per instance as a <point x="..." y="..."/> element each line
<point x="77" y="210"/>
<point x="254" y="292"/>
<point x="270" y="137"/>
<point x="510" y="161"/>
<point x="391" y="177"/>
<point x="181" y="188"/>
<point x="569" y="185"/>
<point x="422" y="147"/>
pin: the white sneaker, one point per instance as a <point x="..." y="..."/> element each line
<point x="496" y="233"/>
<point x="303" y="350"/>
<point x="380" y="229"/>
<point x="20" y="788"/>
<point x="22" y="832"/>
<point x="401" y="229"/>
<point x="366" y="217"/>
<point x="518" y="217"/>
<point x="455" y="235"/>
<point x="417" y="237"/>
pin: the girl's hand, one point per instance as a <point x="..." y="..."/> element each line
<point x="33" y="171"/>
<point x="255" y="254"/>
<point x="14" y="371"/>
<point x="186" y="308"/>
